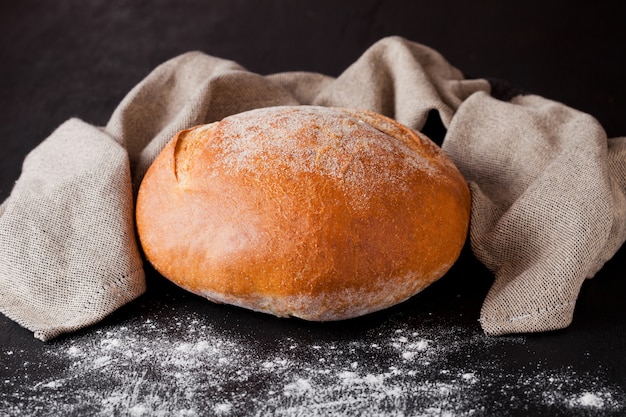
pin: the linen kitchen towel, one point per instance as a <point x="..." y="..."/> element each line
<point x="548" y="187"/>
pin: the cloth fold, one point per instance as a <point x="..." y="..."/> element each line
<point x="68" y="253"/>
<point x="548" y="188"/>
<point x="547" y="208"/>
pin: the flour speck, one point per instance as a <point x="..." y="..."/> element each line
<point x="589" y="399"/>
<point x="223" y="408"/>
<point x="138" y="410"/>
<point x="594" y="400"/>
<point x="469" y="377"/>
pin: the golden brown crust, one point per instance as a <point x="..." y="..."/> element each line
<point x="314" y="212"/>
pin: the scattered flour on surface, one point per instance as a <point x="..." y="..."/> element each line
<point x="599" y="400"/>
<point x="138" y="410"/>
<point x="589" y="399"/>
<point x="223" y="408"/>
<point x="193" y="368"/>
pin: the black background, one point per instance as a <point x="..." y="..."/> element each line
<point x="60" y="59"/>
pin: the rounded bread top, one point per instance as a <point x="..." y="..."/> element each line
<point x="315" y="212"/>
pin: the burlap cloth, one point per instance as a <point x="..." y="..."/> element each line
<point x="548" y="205"/>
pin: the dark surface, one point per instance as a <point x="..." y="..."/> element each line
<point x="74" y="58"/>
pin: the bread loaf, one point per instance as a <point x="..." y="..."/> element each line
<point x="313" y="212"/>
